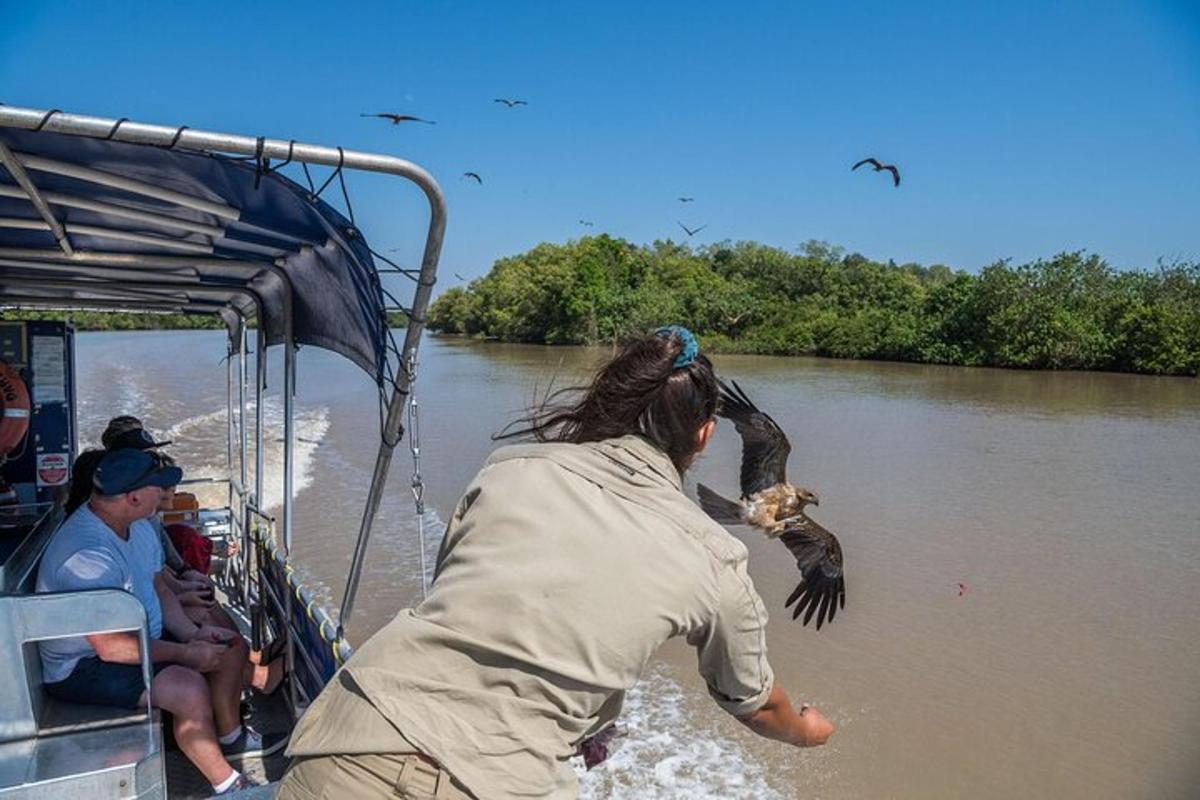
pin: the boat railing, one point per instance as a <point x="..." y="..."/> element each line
<point x="280" y="605"/>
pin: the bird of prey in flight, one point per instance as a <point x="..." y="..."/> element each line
<point x="398" y="118"/>
<point x="686" y="199"/>
<point x="777" y="507"/>
<point x="510" y="103"/>
<point x="879" y="168"/>
<point x="587" y="223"/>
<point x="460" y="277"/>
<point x="691" y="231"/>
<point x="473" y="176"/>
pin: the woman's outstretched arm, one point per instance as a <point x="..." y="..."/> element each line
<point x="778" y="720"/>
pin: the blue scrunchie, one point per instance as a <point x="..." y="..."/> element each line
<point x="691" y="348"/>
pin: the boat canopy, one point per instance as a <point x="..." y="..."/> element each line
<point x="98" y="213"/>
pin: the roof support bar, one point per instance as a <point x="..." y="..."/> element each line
<point x="117" y="210"/>
<point x="41" y="164"/>
<point x="18" y="172"/>
<point x="108" y="233"/>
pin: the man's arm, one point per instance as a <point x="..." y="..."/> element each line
<point x="778" y="720"/>
<point x="174" y="620"/>
<point x="123" y="648"/>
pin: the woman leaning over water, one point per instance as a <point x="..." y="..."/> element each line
<point x="568" y="562"/>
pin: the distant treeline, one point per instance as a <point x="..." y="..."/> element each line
<point x="120" y="320"/>
<point x="1072" y="311"/>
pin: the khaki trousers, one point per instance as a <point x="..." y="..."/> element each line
<point x="394" y="775"/>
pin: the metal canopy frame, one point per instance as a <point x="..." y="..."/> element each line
<point x="75" y="278"/>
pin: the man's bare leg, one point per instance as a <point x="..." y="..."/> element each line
<point x="184" y="693"/>
<point x="225" y="687"/>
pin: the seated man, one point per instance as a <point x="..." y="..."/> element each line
<point x="99" y="546"/>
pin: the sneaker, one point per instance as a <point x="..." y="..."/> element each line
<point x="252" y="744"/>
<point x="241" y="783"/>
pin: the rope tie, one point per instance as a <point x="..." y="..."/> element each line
<point x="47" y="117"/>
<point x="175" y="140"/>
<point x="113" y="131"/>
<point x="261" y="164"/>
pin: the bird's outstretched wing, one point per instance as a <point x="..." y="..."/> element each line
<point x="870" y="161"/>
<point x="473" y="176"/>
<point x="895" y="173"/>
<point x="822" y="588"/>
<point x="765" y="447"/>
<point x="720" y="509"/>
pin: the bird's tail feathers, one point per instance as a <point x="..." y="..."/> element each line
<point x="719" y="508"/>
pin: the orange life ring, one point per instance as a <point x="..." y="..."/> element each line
<point x="14" y="409"/>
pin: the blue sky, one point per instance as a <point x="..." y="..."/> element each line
<point x="1021" y="128"/>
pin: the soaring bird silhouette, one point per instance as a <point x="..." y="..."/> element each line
<point x="398" y="118"/>
<point x="587" y="223"/>
<point x="460" y="277"/>
<point x="689" y="231"/>
<point x="510" y="103"/>
<point x="777" y="507"/>
<point x="473" y="176"/>
<point x="879" y="168"/>
<point x="686" y="199"/>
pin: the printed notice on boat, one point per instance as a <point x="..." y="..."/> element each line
<point x="49" y="364"/>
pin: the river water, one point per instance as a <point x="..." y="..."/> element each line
<point x="1067" y="504"/>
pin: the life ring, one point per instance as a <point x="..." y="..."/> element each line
<point x="14" y="409"/>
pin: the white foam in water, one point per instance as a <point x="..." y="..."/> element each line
<point x="310" y="429"/>
<point x="669" y="754"/>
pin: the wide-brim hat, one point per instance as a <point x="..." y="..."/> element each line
<point x="138" y="439"/>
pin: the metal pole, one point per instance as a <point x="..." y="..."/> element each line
<point x="289" y="435"/>
<point x="391" y="429"/>
<point x="14" y="167"/>
<point x="260" y="383"/>
<point x="229" y="419"/>
<point x="242" y="410"/>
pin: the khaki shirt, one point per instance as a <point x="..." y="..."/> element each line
<point x="563" y="570"/>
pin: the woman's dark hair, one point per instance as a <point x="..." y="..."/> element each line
<point x="638" y="391"/>
<point x="82" y="472"/>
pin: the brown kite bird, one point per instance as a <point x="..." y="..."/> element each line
<point x="776" y="507"/>
<point x="880" y="168"/>
<point x="398" y="118"/>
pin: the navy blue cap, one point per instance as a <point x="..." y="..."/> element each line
<point x="128" y="469"/>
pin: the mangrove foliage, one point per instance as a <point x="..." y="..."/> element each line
<point x="1072" y="311"/>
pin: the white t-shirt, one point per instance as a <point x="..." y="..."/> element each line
<point x="84" y="553"/>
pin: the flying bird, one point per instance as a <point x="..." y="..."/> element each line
<point x="460" y="277"/>
<point x="689" y="231"/>
<point x="510" y="103"/>
<point x="586" y="223"/>
<point x="962" y="588"/>
<point x="398" y="118"/>
<point x="473" y="176"/>
<point x="879" y="168"/>
<point x="686" y="199"/>
<point x="772" y="504"/>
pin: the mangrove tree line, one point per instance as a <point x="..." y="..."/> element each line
<point x="1072" y="311"/>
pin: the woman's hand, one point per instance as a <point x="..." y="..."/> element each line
<point x="213" y="634"/>
<point x="196" y="576"/>
<point x="203" y="656"/>
<point x="815" y="729"/>
<point x="197" y="598"/>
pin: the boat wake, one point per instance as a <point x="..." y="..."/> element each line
<point x="670" y="754"/>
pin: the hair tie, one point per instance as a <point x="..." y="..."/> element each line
<point x="691" y="348"/>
